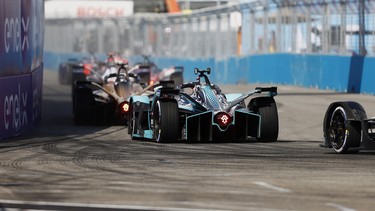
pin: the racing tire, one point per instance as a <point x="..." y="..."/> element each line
<point x="132" y="123"/>
<point x="269" y="123"/>
<point x="82" y="106"/>
<point x="166" y="121"/>
<point x="340" y="133"/>
<point x="130" y="119"/>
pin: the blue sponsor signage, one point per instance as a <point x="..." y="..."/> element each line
<point x="21" y="68"/>
<point x="20" y="102"/>
<point x="21" y="36"/>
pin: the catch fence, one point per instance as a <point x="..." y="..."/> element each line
<point x="337" y="27"/>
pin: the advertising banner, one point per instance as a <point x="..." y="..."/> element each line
<point x="21" y="36"/>
<point x="86" y="9"/>
<point x="20" y="102"/>
<point x="21" y="68"/>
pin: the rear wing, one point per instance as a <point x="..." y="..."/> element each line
<point x="271" y="90"/>
<point x="167" y="88"/>
<point x="179" y="68"/>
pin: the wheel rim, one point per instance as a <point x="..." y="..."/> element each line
<point x="338" y="132"/>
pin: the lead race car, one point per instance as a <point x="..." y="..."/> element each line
<point x="347" y="129"/>
<point x="203" y="114"/>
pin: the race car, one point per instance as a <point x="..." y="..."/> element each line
<point x="199" y="111"/>
<point x="107" y="102"/>
<point x="347" y="129"/>
<point x="174" y="73"/>
<point x="79" y="69"/>
<point x="152" y="74"/>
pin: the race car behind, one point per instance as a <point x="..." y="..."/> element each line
<point x="107" y="102"/>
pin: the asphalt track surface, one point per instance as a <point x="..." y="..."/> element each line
<point x="60" y="166"/>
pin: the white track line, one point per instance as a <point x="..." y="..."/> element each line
<point x="83" y="207"/>
<point x="340" y="207"/>
<point x="269" y="186"/>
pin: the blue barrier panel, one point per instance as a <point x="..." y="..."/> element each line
<point x="21" y="46"/>
<point x="21" y="67"/>
<point x="340" y="73"/>
<point x="20" y="102"/>
<point x="355" y="74"/>
<point x="10" y="37"/>
<point x="321" y="71"/>
<point x="317" y="71"/>
<point x="270" y="68"/>
<point x="368" y="76"/>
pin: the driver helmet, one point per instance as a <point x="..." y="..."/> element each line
<point x="111" y="61"/>
<point x="198" y="94"/>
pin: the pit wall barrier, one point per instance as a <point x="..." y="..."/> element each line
<point x="21" y="67"/>
<point x="352" y="74"/>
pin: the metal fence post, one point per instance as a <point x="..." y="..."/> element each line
<point x="362" y="28"/>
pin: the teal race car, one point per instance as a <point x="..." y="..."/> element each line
<point x="199" y="111"/>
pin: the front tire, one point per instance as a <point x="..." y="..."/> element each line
<point x="269" y="123"/>
<point x="340" y="134"/>
<point x="166" y="121"/>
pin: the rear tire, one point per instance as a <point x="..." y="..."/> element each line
<point x="340" y="133"/>
<point x="83" y="104"/>
<point x="166" y="121"/>
<point x="269" y="123"/>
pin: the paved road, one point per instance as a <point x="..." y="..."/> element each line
<point x="62" y="166"/>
